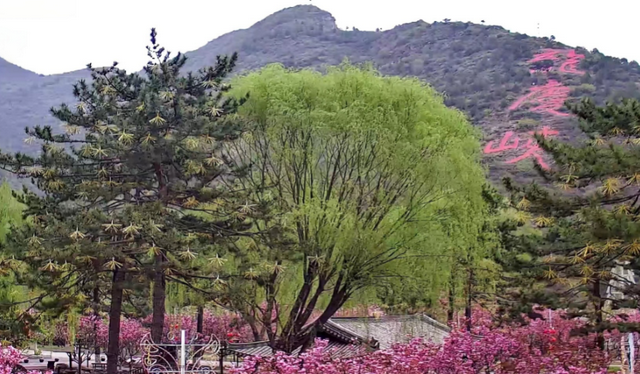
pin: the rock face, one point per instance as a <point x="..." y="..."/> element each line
<point x="502" y="80"/>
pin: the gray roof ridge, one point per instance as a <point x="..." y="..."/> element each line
<point x="340" y="327"/>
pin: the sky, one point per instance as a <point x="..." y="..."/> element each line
<point x="56" y="36"/>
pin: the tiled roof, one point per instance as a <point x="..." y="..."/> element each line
<point x="262" y="349"/>
<point x="351" y="336"/>
<point x="389" y="330"/>
<point x="341" y="350"/>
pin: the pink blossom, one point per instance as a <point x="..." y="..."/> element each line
<point x="536" y="347"/>
<point x="10" y="358"/>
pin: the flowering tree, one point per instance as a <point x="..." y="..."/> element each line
<point x="225" y="326"/>
<point x="95" y="330"/>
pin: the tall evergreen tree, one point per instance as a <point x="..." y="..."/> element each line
<point x="590" y="231"/>
<point x="140" y="153"/>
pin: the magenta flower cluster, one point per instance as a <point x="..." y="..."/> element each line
<point x="10" y="358"/>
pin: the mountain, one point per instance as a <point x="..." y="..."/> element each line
<point x="10" y="74"/>
<point x="508" y="83"/>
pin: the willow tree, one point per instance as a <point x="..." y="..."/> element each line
<point x="361" y="172"/>
<point x="12" y="300"/>
<point x="138" y="154"/>
<point x="591" y="235"/>
<point x="10" y="211"/>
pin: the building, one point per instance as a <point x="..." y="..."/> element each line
<point x="390" y="330"/>
<point x="352" y="336"/>
<point x="622" y="278"/>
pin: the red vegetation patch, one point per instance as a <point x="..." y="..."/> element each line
<point x="570" y="57"/>
<point x="547" y="99"/>
<point x="551" y="97"/>
<point x="531" y="148"/>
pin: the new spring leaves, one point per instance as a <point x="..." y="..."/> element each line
<point x="547" y="99"/>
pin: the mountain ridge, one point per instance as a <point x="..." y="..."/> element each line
<point x="481" y="70"/>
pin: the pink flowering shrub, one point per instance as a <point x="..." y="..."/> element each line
<point x="537" y="347"/>
<point x="462" y="354"/>
<point x="10" y="358"/>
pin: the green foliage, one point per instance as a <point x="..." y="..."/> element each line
<point x="481" y="70"/>
<point x="590" y="235"/>
<point x="584" y="89"/>
<point x="138" y="154"/>
<point x="10" y="211"/>
<point x="11" y="294"/>
<point x="528" y="124"/>
<point x="365" y="175"/>
<point x="613" y="78"/>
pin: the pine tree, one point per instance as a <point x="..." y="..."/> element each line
<point x="589" y="225"/>
<point x="135" y="188"/>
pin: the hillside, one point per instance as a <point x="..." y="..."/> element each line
<point x="508" y="83"/>
<point x="11" y="76"/>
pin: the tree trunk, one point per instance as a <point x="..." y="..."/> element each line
<point x="200" y="319"/>
<point x="467" y="307"/>
<point x="598" y="304"/>
<point x="304" y="339"/>
<point x="159" y="296"/>
<point x="96" y="314"/>
<point x="200" y="327"/>
<point x="159" y="285"/>
<point x="452" y="299"/>
<point x="113" y="350"/>
<point x="250" y="318"/>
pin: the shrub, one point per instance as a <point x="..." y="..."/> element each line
<point x="527" y="124"/>
<point x="533" y="348"/>
<point x="10" y="358"/>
